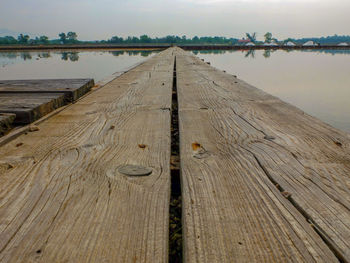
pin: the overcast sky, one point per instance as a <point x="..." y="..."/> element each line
<point x="101" y="19"/>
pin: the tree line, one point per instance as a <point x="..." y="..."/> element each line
<point x="72" y="38"/>
<point x="63" y="38"/>
<point x="172" y="39"/>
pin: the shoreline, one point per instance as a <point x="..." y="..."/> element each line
<point x="159" y="47"/>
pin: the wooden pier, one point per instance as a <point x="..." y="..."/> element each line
<point x="261" y="181"/>
<point x="30" y="100"/>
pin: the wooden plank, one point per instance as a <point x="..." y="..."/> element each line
<point x="6" y="120"/>
<point x="232" y="209"/>
<point x="62" y="198"/>
<point x="72" y="88"/>
<point x="29" y="107"/>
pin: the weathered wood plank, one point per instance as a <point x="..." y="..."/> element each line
<point x="62" y="198"/>
<point x="72" y="88"/>
<point x="233" y="211"/>
<point x="6" y="120"/>
<point x="30" y="107"/>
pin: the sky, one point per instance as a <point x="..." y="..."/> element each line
<point x="102" y="19"/>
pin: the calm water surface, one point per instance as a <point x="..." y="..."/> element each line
<point x="66" y="64"/>
<point x="317" y="82"/>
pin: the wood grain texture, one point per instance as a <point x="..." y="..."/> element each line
<point x="6" y="120"/>
<point x="71" y="88"/>
<point x="233" y="209"/>
<point x="29" y="107"/>
<point x="61" y="196"/>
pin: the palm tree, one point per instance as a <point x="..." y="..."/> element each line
<point x="252" y="37"/>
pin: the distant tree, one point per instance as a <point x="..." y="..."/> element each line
<point x="23" y="39"/>
<point x="275" y="40"/>
<point x="72" y="36"/>
<point x="195" y="39"/>
<point x="145" y="39"/>
<point x="135" y="40"/>
<point x="170" y="39"/>
<point x="116" y="39"/>
<point x="34" y="41"/>
<point x="268" y="37"/>
<point x="8" y="40"/>
<point x="251" y="37"/>
<point x="63" y="37"/>
<point x="43" y="39"/>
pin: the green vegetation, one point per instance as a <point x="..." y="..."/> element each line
<point x="251" y="37"/>
<point x="324" y="40"/>
<point x="23" y="39"/>
<point x="69" y="38"/>
<point x="268" y="37"/>
<point x="144" y="39"/>
<point x="63" y="37"/>
<point x="72" y="38"/>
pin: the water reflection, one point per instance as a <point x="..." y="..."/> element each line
<point x="250" y="53"/>
<point x="143" y="53"/>
<point x="316" y="81"/>
<point x="215" y="51"/>
<point x="96" y="64"/>
<point x="26" y="56"/>
<point x="72" y="56"/>
<point x="44" y="55"/>
<point x="330" y="51"/>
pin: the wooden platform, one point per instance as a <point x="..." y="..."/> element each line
<point x="62" y="197"/>
<point x="30" y="107"/>
<point x="71" y="88"/>
<point x="261" y="180"/>
<point x="32" y="99"/>
<point x="6" y="120"/>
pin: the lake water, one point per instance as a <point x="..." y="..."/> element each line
<point x="67" y="64"/>
<point x="316" y="82"/>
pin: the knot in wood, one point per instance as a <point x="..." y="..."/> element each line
<point x="134" y="170"/>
